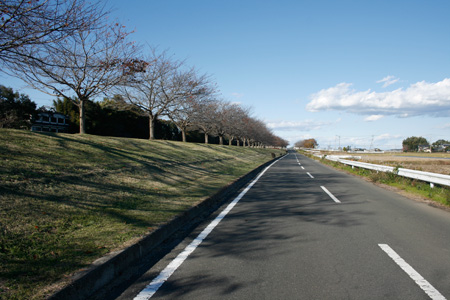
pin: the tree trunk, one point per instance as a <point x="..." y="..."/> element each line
<point x="151" y="127"/>
<point x="183" y="135"/>
<point x="220" y="140"/>
<point x="82" y="116"/>
<point x="230" y="141"/>
<point x="206" y="138"/>
<point x="237" y="142"/>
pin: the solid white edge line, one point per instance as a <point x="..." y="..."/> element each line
<point x="421" y="282"/>
<point x="330" y="194"/>
<point x="309" y="174"/>
<point x="156" y="283"/>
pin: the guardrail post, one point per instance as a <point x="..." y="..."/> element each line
<point x="431" y="185"/>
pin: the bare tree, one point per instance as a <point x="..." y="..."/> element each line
<point x="223" y="116"/>
<point x="26" y="24"/>
<point x="245" y="129"/>
<point x="256" y="132"/>
<point x="279" y="142"/>
<point x="192" y="93"/>
<point x="147" y="93"/>
<point x="183" y="115"/>
<point x="205" y="117"/>
<point x="235" y="125"/>
<point x="251" y="131"/>
<point x="84" y="64"/>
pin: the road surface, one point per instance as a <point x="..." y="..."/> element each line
<point x="306" y="231"/>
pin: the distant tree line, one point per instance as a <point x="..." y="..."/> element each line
<point x="70" y="49"/>
<point x="16" y="110"/>
<point x="306" y="143"/>
<point x="410" y="144"/>
<point x="416" y="144"/>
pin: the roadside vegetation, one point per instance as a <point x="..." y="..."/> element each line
<point x="438" y="194"/>
<point x="67" y="200"/>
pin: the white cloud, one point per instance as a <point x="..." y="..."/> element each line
<point x="307" y="125"/>
<point x="387" y="136"/>
<point x="388" y="80"/>
<point x="421" y="98"/>
<point x="237" y="95"/>
<point x="373" y="118"/>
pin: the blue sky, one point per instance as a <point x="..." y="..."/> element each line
<point x="359" y="72"/>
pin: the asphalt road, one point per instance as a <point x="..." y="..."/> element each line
<point x="287" y="238"/>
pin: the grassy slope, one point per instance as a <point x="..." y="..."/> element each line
<point x="69" y="199"/>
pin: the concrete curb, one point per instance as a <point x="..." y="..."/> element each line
<point x="106" y="269"/>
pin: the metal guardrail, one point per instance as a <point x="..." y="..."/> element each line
<point x="358" y="164"/>
<point x="432" y="178"/>
<point x="435" y="178"/>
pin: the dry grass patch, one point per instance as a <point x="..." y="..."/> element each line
<point x="434" y="163"/>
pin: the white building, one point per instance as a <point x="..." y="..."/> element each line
<point x="51" y="122"/>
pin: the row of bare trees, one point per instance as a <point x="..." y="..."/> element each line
<point x="168" y="89"/>
<point x="164" y="88"/>
<point x="71" y="49"/>
<point x="227" y="121"/>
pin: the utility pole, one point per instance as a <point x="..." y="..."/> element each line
<point x="371" y="143"/>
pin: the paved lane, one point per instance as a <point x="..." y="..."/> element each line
<point x="287" y="238"/>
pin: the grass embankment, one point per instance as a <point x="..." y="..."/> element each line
<point x="419" y="188"/>
<point x="69" y="199"/>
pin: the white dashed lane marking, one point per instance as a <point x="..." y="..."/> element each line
<point x="151" y="289"/>
<point x="421" y="282"/>
<point x="330" y="194"/>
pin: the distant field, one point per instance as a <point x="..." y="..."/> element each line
<point x="66" y="200"/>
<point x="427" y="162"/>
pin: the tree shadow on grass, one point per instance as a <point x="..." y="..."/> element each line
<point x="72" y="198"/>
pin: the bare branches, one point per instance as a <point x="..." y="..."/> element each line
<point x="86" y="63"/>
<point x="27" y="25"/>
<point x="191" y="92"/>
<point x="205" y="116"/>
<point x="150" y="93"/>
<point x="82" y="58"/>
